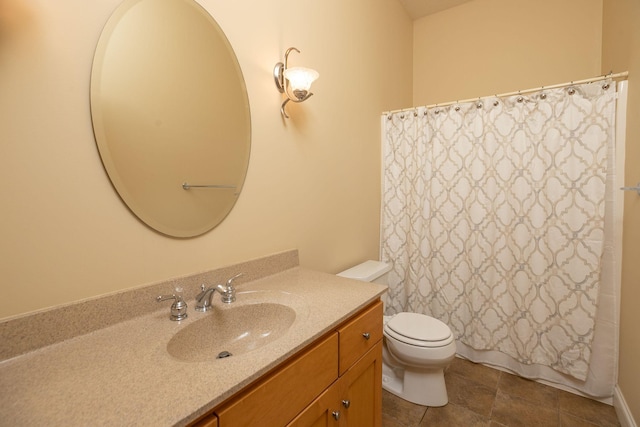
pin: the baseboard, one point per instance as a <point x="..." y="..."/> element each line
<point x="622" y="410"/>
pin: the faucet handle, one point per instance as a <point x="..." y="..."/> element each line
<point x="230" y="281"/>
<point x="228" y="292"/>
<point x="179" y="307"/>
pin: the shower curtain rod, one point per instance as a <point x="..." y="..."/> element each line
<point x="622" y="76"/>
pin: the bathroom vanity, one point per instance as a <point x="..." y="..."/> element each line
<point x="119" y="359"/>
<point x="337" y="380"/>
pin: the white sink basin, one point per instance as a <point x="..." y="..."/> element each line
<point x="231" y="329"/>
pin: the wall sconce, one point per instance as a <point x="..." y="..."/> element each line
<point x="295" y="82"/>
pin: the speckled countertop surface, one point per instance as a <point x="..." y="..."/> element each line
<point x="124" y="375"/>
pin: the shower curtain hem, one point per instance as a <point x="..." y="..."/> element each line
<point x="536" y="372"/>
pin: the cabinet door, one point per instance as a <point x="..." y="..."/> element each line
<point x="279" y="397"/>
<point x="325" y="411"/>
<point x="361" y="404"/>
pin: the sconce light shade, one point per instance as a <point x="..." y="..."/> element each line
<point x="294" y="82"/>
<point x="300" y="78"/>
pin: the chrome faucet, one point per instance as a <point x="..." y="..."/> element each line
<point x="203" y="299"/>
<point x="227" y="294"/>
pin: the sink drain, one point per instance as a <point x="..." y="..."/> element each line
<point x="223" y="354"/>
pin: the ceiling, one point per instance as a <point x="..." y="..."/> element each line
<point x="419" y="8"/>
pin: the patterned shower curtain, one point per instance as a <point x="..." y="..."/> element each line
<point x="493" y="217"/>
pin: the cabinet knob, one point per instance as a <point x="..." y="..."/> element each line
<point x="336" y="415"/>
<point x="366" y="335"/>
<point x="346" y="403"/>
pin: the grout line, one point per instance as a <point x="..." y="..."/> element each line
<point x="495" y="397"/>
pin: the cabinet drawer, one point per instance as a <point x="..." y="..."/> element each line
<point x="353" y="335"/>
<point x="277" y="399"/>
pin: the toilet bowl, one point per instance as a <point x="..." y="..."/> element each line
<point x="417" y="348"/>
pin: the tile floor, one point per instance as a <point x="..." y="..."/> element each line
<point x="480" y="396"/>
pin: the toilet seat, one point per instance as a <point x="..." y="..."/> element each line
<point x="418" y="330"/>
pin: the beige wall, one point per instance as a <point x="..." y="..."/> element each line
<point x="488" y="47"/>
<point x="313" y="180"/>
<point x="621" y="51"/>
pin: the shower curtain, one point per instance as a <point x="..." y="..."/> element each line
<point x="493" y="217"/>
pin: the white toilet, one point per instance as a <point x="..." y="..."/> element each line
<point x="416" y="349"/>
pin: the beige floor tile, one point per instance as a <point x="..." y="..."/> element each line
<point x="401" y="411"/>
<point x="587" y="409"/>
<point x="388" y="421"/>
<point x="453" y="415"/>
<point x="484" y="397"/>
<point x="567" y="420"/>
<point x="479" y="373"/>
<point x="469" y="394"/>
<point x="514" y="411"/>
<point x="531" y="391"/>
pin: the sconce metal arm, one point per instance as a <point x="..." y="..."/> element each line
<point x="283" y="111"/>
<point x="278" y="71"/>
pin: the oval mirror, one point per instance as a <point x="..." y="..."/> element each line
<point x="170" y="114"/>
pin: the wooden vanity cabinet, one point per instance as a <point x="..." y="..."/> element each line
<point x="322" y="411"/>
<point x="209" y="421"/>
<point x="355" y="399"/>
<point x="363" y="390"/>
<point x="276" y="399"/>
<point x="358" y="335"/>
<point x="336" y="381"/>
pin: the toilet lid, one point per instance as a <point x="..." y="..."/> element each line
<point x="418" y="327"/>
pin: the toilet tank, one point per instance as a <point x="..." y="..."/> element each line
<point x="369" y="271"/>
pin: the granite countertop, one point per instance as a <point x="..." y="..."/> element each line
<point x="124" y="375"/>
